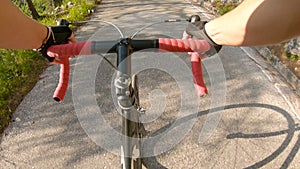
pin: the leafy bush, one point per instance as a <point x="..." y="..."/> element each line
<point x="82" y="10"/>
<point x="19" y="71"/>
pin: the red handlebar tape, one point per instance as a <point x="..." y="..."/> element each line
<point x="67" y="50"/>
<point x="197" y="74"/>
<point x="183" y="45"/>
<point x="64" y="74"/>
<point x="63" y="52"/>
<point x="175" y="45"/>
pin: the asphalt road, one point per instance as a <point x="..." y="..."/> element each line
<point x="249" y="119"/>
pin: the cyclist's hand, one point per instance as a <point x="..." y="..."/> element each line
<point x="56" y="35"/>
<point x="196" y="29"/>
<point x="187" y="36"/>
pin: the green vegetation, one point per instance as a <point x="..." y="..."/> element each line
<point x="20" y="69"/>
<point x="222" y="7"/>
<point x="293" y="56"/>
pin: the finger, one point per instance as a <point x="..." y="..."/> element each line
<point x="72" y="38"/>
<point x="60" y="60"/>
<point x="187" y="36"/>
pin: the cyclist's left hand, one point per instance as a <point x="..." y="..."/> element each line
<point x="57" y="35"/>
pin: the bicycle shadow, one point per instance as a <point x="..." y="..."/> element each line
<point x="151" y="162"/>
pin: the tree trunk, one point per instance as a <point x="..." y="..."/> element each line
<point x="32" y="9"/>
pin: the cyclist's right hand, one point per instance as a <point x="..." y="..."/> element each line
<point x="197" y="29"/>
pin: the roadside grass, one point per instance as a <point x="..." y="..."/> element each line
<point x="20" y="69"/>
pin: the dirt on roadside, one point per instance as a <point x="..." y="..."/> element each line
<point x="293" y="65"/>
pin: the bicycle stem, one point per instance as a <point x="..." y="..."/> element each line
<point x="123" y="80"/>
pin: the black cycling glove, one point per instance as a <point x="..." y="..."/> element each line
<point x="56" y="35"/>
<point x="196" y="29"/>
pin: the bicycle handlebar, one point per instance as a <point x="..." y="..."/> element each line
<point x="63" y="52"/>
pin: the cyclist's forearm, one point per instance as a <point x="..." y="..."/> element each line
<point x="18" y="31"/>
<point x="257" y="22"/>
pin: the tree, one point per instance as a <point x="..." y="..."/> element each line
<point x="33" y="11"/>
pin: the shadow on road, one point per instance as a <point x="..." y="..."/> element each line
<point x="151" y="162"/>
